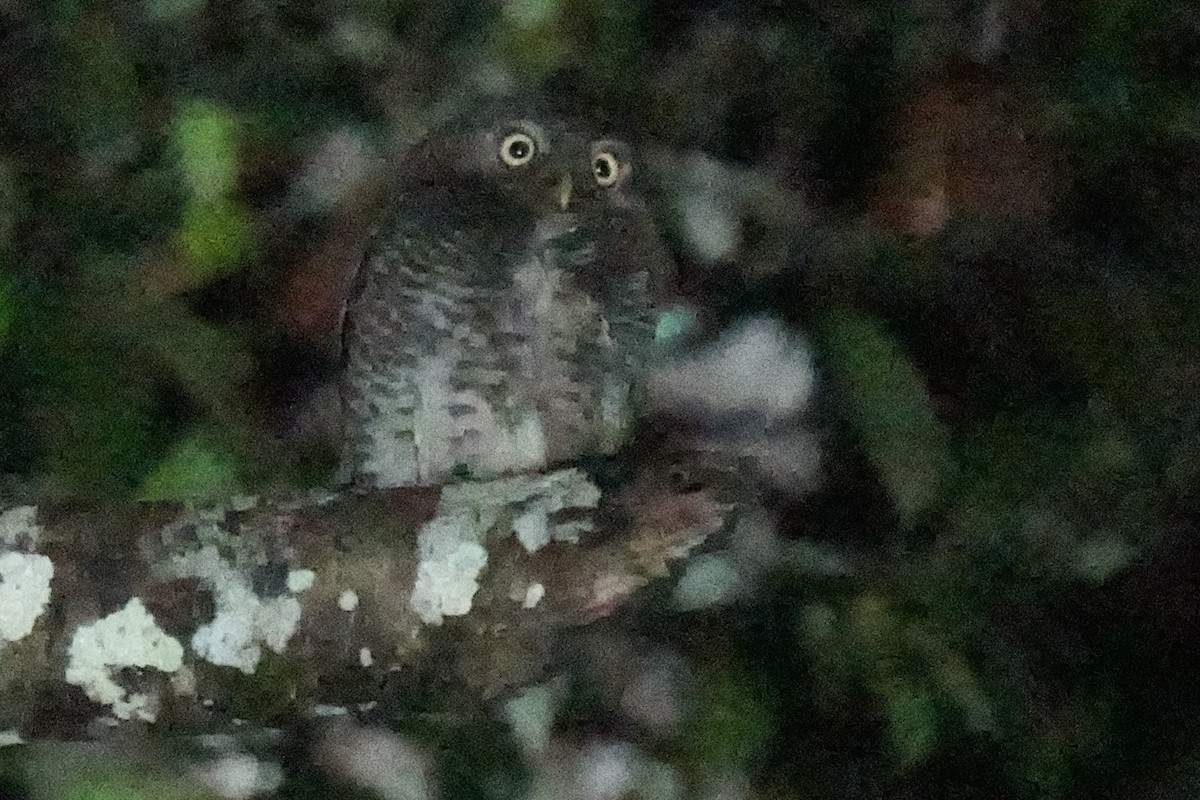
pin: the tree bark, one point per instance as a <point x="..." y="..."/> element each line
<point x="186" y="618"/>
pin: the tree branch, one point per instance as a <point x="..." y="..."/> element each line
<point x="188" y="617"/>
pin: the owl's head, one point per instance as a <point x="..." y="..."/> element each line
<point x="538" y="163"/>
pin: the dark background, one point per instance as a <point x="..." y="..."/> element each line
<point x="981" y="215"/>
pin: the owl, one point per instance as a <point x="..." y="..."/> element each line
<point x="501" y="320"/>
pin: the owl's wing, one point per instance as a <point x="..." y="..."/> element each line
<point x="631" y="265"/>
<point x="638" y="269"/>
<point x="647" y="253"/>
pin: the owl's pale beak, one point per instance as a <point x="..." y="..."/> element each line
<point x="565" y="188"/>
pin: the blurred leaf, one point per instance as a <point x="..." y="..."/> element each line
<point x="1100" y="557"/>
<point x="9" y="201"/>
<point x="912" y="719"/>
<point x="208" y="361"/>
<point x="833" y="664"/>
<point x="94" y="411"/>
<point x="729" y="724"/>
<point x="885" y="399"/>
<point x="607" y="38"/>
<point x="708" y="580"/>
<point x="195" y="469"/>
<point x="1008" y="461"/>
<point x="1112" y="451"/>
<point x="531" y="13"/>
<point x="954" y="677"/>
<point x="1055" y="494"/>
<point x="496" y="771"/>
<point x="64" y="771"/>
<point x="531" y="717"/>
<point x="875" y="625"/>
<point x="891" y="674"/>
<point x="103" y="789"/>
<point x="654" y="780"/>
<point x="97" y="87"/>
<point x="674" y="324"/>
<point x="216" y="237"/>
<point x="216" y="233"/>
<point x="529" y="38"/>
<point x="8" y="305"/>
<point x="206" y="137"/>
<point x="172" y="10"/>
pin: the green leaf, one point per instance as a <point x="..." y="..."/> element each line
<point x="888" y="668"/>
<point x="90" y="407"/>
<point x="955" y="678"/>
<point x="831" y="650"/>
<point x="95" y="775"/>
<point x="216" y="237"/>
<point x="195" y="469"/>
<point x="215" y="234"/>
<point x="206" y="137"/>
<point x="729" y="725"/>
<point x="531" y="13"/>
<point x="912" y="721"/>
<point x="529" y="38"/>
<point x="90" y="788"/>
<point x="885" y="399"/>
<point x="207" y="361"/>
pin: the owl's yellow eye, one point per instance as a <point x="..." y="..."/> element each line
<point x="517" y="149"/>
<point x="606" y="168"/>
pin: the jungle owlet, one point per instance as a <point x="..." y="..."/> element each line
<point x="503" y="313"/>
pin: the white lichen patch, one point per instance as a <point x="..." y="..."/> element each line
<point x="533" y="528"/>
<point x="348" y="600"/>
<point x="320" y="496"/>
<point x="534" y="499"/>
<point x="19" y="529"/>
<point x="327" y="710"/>
<point x="10" y="737"/>
<point x="300" y="580"/>
<point x="24" y="593"/>
<point x="183" y="682"/>
<point x="533" y="595"/>
<point x="365" y="658"/>
<point x="451" y="548"/>
<point x="448" y="574"/>
<point x="244" y="622"/>
<point x="125" y="639"/>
